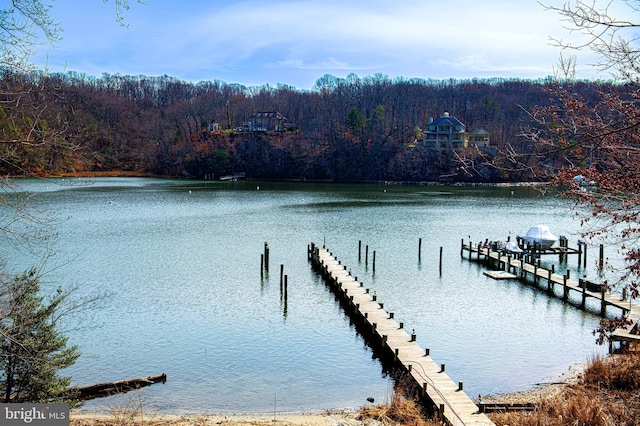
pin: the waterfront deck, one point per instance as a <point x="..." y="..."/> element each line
<point x="438" y="390"/>
<point x="523" y="267"/>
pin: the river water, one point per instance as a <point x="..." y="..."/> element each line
<point x="180" y="261"/>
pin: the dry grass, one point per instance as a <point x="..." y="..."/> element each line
<point x="607" y="395"/>
<point x="399" y="411"/>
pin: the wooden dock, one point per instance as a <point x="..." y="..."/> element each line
<point x="528" y="269"/>
<point x="439" y="393"/>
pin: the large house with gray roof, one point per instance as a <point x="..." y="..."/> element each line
<point x="447" y="132"/>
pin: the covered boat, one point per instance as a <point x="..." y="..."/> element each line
<point x="541" y="235"/>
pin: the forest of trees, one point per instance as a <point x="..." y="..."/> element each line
<point x="352" y="129"/>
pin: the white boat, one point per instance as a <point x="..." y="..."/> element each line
<point x="541" y="235"/>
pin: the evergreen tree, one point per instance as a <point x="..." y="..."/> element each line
<point x="32" y="350"/>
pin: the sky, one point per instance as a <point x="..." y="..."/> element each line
<point x="294" y="43"/>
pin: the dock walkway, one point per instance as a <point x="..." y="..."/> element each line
<point x="447" y="398"/>
<point x="522" y="269"/>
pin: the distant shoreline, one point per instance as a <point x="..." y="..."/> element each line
<point x="133" y="174"/>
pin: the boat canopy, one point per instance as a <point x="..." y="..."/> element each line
<point x="540" y="232"/>
<point x="541" y="235"/>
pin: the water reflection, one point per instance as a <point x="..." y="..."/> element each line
<point x="182" y="261"/>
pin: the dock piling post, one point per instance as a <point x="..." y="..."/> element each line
<point x="262" y="265"/>
<point x="266" y="257"/>
<point x="374" y="261"/>
<point x="579" y="253"/>
<point x="281" y="276"/>
<point x="440" y="261"/>
<point x="285" y="288"/>
<point x="359" y="250"/>
<point x="419" y="250"/>
<point x="366" y="255"/>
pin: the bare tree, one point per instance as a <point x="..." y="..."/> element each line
<point x="23" y="24"/>
<point x="32" y="348"/>
<point x="598" y="138"/>
<point x="612" y="39"/>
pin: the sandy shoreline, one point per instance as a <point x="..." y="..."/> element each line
<point x="345" y="417"/>
<point x="326" y="418"/>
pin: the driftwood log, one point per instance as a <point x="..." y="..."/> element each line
<point x="101" y="390"/>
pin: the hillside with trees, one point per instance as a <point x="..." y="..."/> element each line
<point x="352" y="129"/>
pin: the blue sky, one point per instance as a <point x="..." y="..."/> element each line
<point x="296" y="42"/>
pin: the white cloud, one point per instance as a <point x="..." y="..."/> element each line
<point x="324" y="65"/>
<point x="288" y="40"/>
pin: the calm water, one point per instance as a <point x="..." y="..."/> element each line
<point x="181" y="262"/>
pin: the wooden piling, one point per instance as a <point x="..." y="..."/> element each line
<point x="359" y="250"/>
<point x="601" y="260"/>
<point x="281" y="276"/>
<point x="374" y="261"/>
<point x="419" y="250"/>
<point x="286" y="290"/>
<point x="579" y="253"/>
<point x="440" y="260"/>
